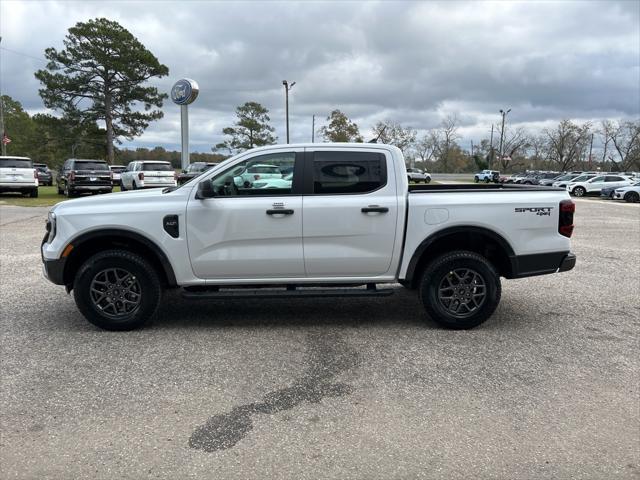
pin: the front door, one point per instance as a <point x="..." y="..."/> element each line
<point x="350" y="213"/>
<point x="253" y="227"/>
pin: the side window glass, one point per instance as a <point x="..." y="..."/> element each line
<point x="597" y="179"/>
<point x="348" y="172"/>
<point x="264" y="175"/>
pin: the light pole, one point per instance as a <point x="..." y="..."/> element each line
<point x="3" y="146"/>
<point x="287" y="87"/>
<point x="504" y="114"/>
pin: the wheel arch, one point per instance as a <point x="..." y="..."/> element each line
<point x="92" y="242"/>
<point x="483" y="241"/>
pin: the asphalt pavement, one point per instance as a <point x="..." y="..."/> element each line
<point x="548" y="388"/>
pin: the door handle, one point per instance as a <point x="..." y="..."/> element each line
<point x="280" y="211"/>
<point x="374" y="209"/>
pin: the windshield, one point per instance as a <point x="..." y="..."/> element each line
<point x="97" y="165"/>
<point x="157" y="167"/>
<point x="15" y="163"/>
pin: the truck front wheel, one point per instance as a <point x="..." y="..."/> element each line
<point x="117" y="290"/>
<point x="460" y="290"/>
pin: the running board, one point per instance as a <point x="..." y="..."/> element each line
<point x="289" y="292"/>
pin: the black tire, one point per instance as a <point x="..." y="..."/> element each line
<point x="133" y="185"/>
<point x="427" y="180"/>
<point x="579" y="192"/>
<point x="34" y="193"/>
<point x="632" y="197"/>
<point x="433" y="289"/>
<point x="122" y="187"/>
<point x="486" y="180"/>
<point x="142" y="279"/>
<point x="476" y="179"/>
<point x="60" y="191"/>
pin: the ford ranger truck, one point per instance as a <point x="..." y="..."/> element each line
<point x="342" y="221"/>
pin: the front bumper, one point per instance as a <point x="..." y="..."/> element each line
<point x="53" y="270"/>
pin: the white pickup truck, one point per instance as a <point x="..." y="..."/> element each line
<point x="346" y="222"/>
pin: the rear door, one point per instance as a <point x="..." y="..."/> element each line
<point x="350" y="211"/>
<point x="16" y="171"/>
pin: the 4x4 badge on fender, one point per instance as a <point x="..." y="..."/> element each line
<point x="537" y="210"/>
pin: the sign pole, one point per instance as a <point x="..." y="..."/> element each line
<point x="184" y="121"/>
<point x="184" y="92"/>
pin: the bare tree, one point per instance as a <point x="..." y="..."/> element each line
<point x="426" y="147"/>
<point x="625" y="138"/>
<point x="392" y="133"/>
<point x="448" y="135"/>
<point x="567" y="142"/>
<point x="515" y="142"/>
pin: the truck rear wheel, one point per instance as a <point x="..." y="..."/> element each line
<point x="117" y="290"/>
<point x="460" y="289"/>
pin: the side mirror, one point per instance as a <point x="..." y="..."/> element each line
<point x="184" y="171"/>
<point x="205" y="190"/>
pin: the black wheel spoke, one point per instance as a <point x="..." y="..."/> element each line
<point x="462" y="291"/>
<point x="115" y="292"/>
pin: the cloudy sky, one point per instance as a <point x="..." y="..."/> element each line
<point x="412" y="62"/>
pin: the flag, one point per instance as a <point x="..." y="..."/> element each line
<point x="5" y="140"/>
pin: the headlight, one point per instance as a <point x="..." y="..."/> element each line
<point x="51" y="226"/>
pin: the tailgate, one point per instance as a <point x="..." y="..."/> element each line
<point x="17" y="175"/>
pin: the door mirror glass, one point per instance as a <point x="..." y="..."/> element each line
<point x="205" y="190"/>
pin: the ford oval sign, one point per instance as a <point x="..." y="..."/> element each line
<point x="184" y="91"/>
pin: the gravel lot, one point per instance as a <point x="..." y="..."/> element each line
<point x="337" y="388"/>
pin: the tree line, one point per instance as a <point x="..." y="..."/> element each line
<point x="569" y="145"/>
<point x="100" y="78"/>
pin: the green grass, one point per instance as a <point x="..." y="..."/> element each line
<point x="47" y="196"/>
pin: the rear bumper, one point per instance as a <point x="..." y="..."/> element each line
<point x="541" y="264"/>
<point x="91" y="188"/>
<point x="18" y="187"/>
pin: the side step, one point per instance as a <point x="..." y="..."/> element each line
<point x="290" y="291"/>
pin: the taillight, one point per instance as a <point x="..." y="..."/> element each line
<point x="35" y="173"/>
<point x="141" y="176"/>
<point x="72" y="176"/>
<point x="565" y="219"/>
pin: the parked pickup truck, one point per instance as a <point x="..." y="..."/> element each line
<point x="346" y="223"/>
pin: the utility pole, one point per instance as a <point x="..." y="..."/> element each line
<point x="590" y="149"/>
<point x="471" y="148"/>
<point x="491" y="148"/>
<point x="504" y="114"/>
<point x="287" y="87"/>
<point x="313" y="129"/>
<point x="4" y="146"/>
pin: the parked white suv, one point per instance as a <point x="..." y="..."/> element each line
<point x="416" y="175"/>
<point x="595" y="184"/>
<point x="18" y="175"/>
<point x="147" y="174"/>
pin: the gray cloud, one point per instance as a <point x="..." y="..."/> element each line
<point x="411" y="62"/>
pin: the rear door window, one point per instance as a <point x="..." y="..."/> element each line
<point x="15" y="163"/>
<point x="347" y="172"/>
<point x="91" y="166"/>
<point x="157" y="167"/>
